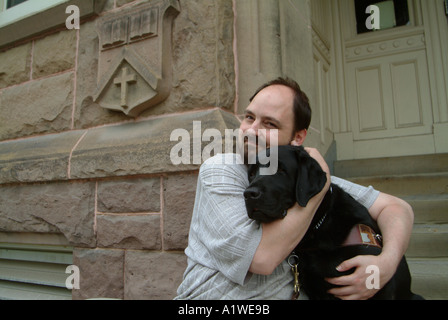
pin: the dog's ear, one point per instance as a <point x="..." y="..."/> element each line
<point x="310" y="178"/>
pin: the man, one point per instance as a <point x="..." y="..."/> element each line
<point x="233" y="257"/>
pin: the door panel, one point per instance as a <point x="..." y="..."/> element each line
<point x="370" y="99"/>
<point x="407" y="94"/>
<point x="389" y="96"/>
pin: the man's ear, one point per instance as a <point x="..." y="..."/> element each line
<point x="299" y="138"/>
<point x="311" y="178"/>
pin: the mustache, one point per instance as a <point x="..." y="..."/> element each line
<point x="255" y="139"/>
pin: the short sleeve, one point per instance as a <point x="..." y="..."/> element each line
<point x="364" y="195"/>
<point x="222" y="236"/>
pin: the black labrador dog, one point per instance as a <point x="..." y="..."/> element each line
<point x="341" y="228"/>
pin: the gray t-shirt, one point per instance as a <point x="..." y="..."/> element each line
<point x="223" y="239"/>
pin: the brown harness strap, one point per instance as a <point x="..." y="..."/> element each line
<point x="363" y="235"/>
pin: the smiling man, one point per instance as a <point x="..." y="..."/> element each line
<point x="233" y="257"/>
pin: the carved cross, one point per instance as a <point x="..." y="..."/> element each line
<point x="123" y="82"/>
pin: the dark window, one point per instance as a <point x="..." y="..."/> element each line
<point x="393" y="13"/>
<point x="12" y="3"/>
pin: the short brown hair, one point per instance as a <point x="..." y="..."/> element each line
<point x="301" y="104"/>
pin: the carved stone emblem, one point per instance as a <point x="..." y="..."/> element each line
<point x="135" y="70"/>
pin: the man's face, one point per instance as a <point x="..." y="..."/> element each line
<point x="271" y="110"/>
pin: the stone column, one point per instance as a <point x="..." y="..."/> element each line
<point x="273" y="38"/>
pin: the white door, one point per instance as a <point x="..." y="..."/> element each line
<point x="387" y="87"/>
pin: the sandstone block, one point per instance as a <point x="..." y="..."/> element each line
<point x="141" y="147"/>
<point x="41" y="106"/>
<point x="54" y="53"/>
<point x="153" y="275"/>
<point x="129" y="196"/>
<point x="129" y="232"/>
<point x="62" y="208"/>
<point x="101" y="273"/>
<point x="15" y="65"/>
<point x="179" y="196"/>
<point x="43" y="158"/>
<point x="202" y="53"/>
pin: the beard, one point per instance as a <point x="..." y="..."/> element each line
<point x="249" y="147"/>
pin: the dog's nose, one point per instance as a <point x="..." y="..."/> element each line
<point x="252" y="193"/>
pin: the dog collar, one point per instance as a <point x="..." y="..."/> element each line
<point x="319" y="224"/>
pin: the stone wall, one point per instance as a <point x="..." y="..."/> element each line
<point x="102" y="179"/>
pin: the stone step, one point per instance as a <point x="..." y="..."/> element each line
<point x="422" y="181"/>
<point x="432" y="209"/>
<point x="429" y="241"/>
<point x="429" y="277"/>
<point x="392" y="166"/>
<point x="406" y="185"/>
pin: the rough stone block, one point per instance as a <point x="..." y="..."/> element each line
<point x="203" y="30"/>
<point x="142" y="147"/>
<point x="129" y="196"/>
<point x="43" y="158"/>
<point x="101" y="273"/>
<point x="54" y="53"/>
<point x="15" y="65"/>
<point x="41" y="106"/>
<point x="153" y="275"/>
<point x="179" y="196"/>
<point x="129" y="231"/>
<point x="63" y="208"/>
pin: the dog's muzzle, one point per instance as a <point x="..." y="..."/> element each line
<point x="252" y="194"/>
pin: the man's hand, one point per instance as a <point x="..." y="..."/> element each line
<point x="354" y="286"/>
<point x="395" y="218"/>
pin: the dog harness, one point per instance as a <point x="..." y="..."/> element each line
<point x="359" y="235"/>
<point x="363" y="235"/>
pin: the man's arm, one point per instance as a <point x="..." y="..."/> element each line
<point x="279" y="238"/>
<point x="395" y="218"/>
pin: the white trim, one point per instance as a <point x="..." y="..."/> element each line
<point x="26" y="9"/>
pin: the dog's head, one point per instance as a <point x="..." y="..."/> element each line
<point x="298" y="178"/>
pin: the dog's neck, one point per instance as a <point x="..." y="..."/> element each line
<point x="322" y="211"/>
